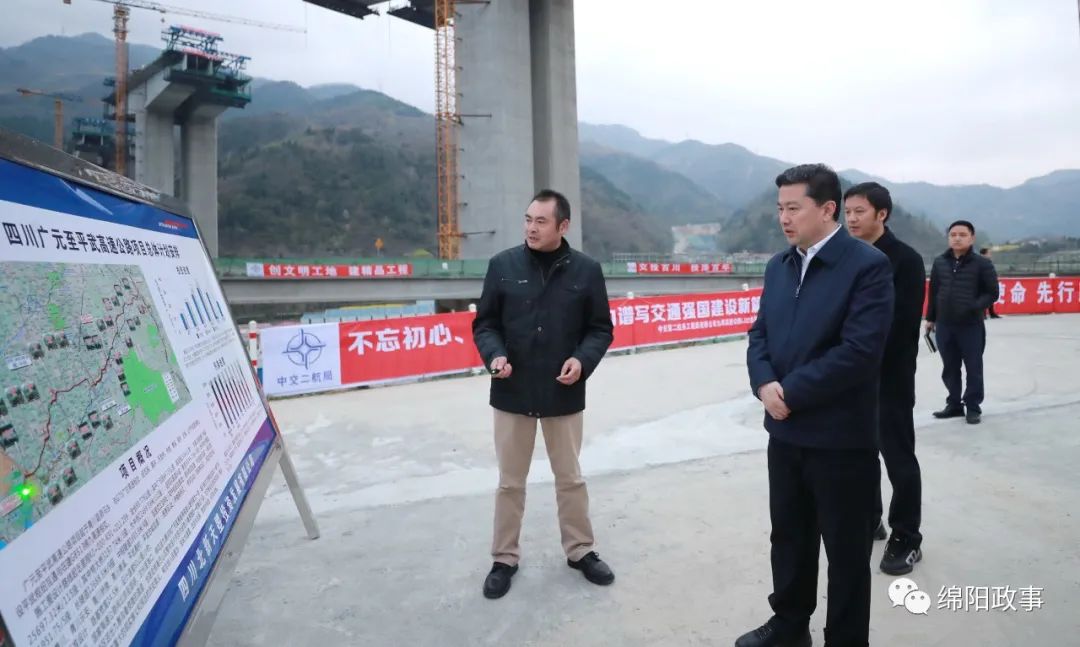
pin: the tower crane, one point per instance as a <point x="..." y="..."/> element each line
<point x="440" y="16"/>
<point x="447" y="120"/>
<point x="58" y="102"/>
<point x="121" y="12"/>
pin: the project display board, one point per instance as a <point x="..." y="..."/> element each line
<point x="131" y="427"/>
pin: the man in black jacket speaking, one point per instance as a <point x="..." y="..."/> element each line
<point x="963" y="285"/>
<point x="867" y="208"/>
<point x="813" y="359"/>
<point x="542" y="326"/>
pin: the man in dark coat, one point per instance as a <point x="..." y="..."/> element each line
<point x="813" y="358"/>
<point x="542" y="326"/>
<point x="963" y="285"/>
<point x="867" y="207"/>
<point x="985" y="251"/>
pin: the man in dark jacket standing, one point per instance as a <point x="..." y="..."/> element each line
<point x="813" y="359"/>
<point x="867" y="207"/>
<point x="542" y="326"/>
<point x="963" y="285"/>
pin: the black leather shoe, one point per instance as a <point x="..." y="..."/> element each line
<point x="594" y="569"/>
<point x="950" y="412"/>
<point x="497" y="582"/>
<point x="974" y="417"/>
<point x="768" y="636"/>
<point x="880" y="533"/>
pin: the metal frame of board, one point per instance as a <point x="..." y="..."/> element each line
<point x="29" y="152"/>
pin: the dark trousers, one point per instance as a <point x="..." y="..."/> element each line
<point x="962" y="344"/>
<point x="820" y="495"/>
<point x="897" y="442"/>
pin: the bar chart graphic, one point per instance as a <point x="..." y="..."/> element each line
<point x="194" y="310"/>
<point x="231" y="396"/>
<point x="201" y="311"/>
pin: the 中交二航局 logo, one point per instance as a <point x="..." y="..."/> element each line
<point x="304" y="349"/>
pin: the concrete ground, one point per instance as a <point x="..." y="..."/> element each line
<point x="402" y="479"/>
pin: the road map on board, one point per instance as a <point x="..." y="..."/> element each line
<point x="86" y="372"/>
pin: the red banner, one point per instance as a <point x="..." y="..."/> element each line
<point x="1038" y="295"/>
<point x="678" y="268"/>
<point x="386" y="349"/>
<point x="308" y="271"/>
<point x="649" y="321"/>
<point x="411" y="347"/>
<point x="1028" y="296"/>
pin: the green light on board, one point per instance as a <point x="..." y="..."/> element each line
<point x="26" y="492"/>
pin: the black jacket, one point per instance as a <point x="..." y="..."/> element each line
<point x="961" y="289"/>
<point x="823" y="342"/>
<point x="902" y="347"/>
<point x="538" y="322"/>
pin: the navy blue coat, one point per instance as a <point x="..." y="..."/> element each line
<point x="823" y="341"/>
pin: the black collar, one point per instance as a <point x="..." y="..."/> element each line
<point x="562" y="250"/>
<point x="887" y="239"/>
<point x="967" y="256"/>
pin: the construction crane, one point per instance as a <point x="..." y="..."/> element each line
<point x="446" y="124"/>
<point x="121" y="12"/>
<point x="58" y="102"/>
<point x="440" y="15"/>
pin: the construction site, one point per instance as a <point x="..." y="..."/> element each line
<point x="505" y="115"/>
<point x="395" y="449"/>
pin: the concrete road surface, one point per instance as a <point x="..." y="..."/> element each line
<point x="402" y="479"/>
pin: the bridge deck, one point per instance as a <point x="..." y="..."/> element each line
<point x="401" y="479"/>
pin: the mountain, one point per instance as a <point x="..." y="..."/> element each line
<point x="620" y="138"/>
<point x="327" y="169"/>
<point x="614" y="222"/>
<point x="286" y="96"/>
<point x="331" y="90"/>
<point x="66" y="63"/>
<point x="754" y="227"/>
<point x="674" y="177"/>
<point x="670" y="196"/>
<point x="328" y="176"/>
<point x="73" y="65"/>
<point x="322" y="191"/>
<point x="296" y="187"/>
<point x="733" y="174"/>
<point x="316" y="171"/>
<point x="1042" y="206"/>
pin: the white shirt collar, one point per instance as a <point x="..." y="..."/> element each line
<point x="813" y="250"/>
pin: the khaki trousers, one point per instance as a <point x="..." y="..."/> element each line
<point x="515" y="437"/>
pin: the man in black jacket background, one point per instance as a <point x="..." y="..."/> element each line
<point x="963" y="285"/>
<point x="542" y="326"/>
<point x="813" y="359"/>
<point x="867" y="207"/>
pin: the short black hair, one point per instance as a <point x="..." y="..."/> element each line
<point x="562" y="205"/>
<point x="877" y="195"/>
<point x="963" y="223"/>
<point x="984" y="250"/>
<point x="822" y="183"/>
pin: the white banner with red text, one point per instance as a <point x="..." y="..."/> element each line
<point x="324" y="357"/>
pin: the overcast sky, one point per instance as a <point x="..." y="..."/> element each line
<point x="947" y="91"/>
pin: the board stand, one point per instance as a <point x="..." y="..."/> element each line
<point x="24" y="150"/>
<point x="204" y="615"/>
